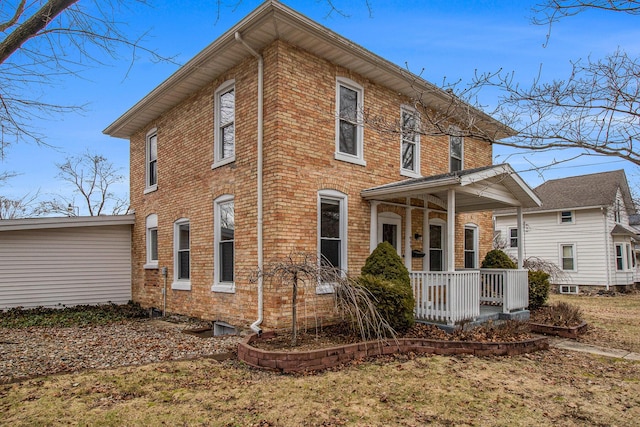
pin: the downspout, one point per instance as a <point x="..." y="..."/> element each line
<point x="606" y="245"/>
<point x="255" y="326"/>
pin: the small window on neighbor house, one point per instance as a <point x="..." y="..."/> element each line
<point x="513" y="237"/>
<point x="182" y="255"/>
<point x="470" y="247"/>
<point x="152" y="160"/>
<point x="456" y="153"/>
<point x="349" y="132"/>
<point x="152" y="241"/>
<point x="225" y="128"/>
<point x="617" y="212"/>
<point x="566" y="217"/>
<point x="410" y="142"/>
<point x="567" y="257"/>
<point x="629" y="256"/>
<point x="224" y="264"/>
<point x="619" y="257"/>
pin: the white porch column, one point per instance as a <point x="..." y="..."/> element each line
<point x="520" y="237"/>
<point x="426" y="238"/>
<point x="373" y="230"/>
<point x="451" y="230"/>
<point x="407" y="236"/>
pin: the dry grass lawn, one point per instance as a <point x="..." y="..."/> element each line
<point x="549" y="388"/>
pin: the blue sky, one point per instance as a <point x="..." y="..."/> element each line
<point x="445" y="38"/>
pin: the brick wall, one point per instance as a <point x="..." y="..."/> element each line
<point x="299" y="146"/>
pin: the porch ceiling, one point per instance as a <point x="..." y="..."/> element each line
<point x="481" y="189"/>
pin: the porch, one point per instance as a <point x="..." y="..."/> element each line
<point x="444" y="292"/>
<point x="453" y="296"/>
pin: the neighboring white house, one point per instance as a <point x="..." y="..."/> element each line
<point x="582" y="227"/>
<point x="54" y="262"/>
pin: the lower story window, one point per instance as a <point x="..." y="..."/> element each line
<point x="568" y="257"/>
<point x="182" y="255"/>
<point x="224" y="240"/>
<point x="332" y="229"/>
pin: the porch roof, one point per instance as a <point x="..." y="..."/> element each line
<point x="480" y="189"/>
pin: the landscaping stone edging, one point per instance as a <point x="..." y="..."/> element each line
<point x="319" y="359"/>
<point x="572" y="332"/>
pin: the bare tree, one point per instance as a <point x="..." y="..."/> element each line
<point x="42" y="40"/>
<point x="92" y="177"/>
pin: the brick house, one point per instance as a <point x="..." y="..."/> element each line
<point x="264" y="144"/>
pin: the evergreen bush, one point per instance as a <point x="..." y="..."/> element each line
<point x="385" y="262"/>
<point x="393" y="300"/>
<point x="538" y="288"/>
<point x="497" y="259"/>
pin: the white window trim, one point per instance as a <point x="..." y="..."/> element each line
<point x="180" y="284"/>
<point x="217" y="156"/>
<point x="150" y="188"/>
<point x="509" y="237"/>
<point x="151" y="223"/>
<point x="453" y="131"/>
<point x="625" y="254"/>
<point x="393" y="219"/>
<point x="218" y="286"/>
<point x="408" y="172"/>
<point x="327" y="288"/>
<point x="476" y="244"/>
<point x="574" y="253"/>
<point x="573" y="217"/>
<point x="358" y="159"/>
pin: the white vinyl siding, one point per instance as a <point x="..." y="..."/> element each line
<point x="65" y="266"/>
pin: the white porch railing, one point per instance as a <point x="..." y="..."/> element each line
<point x="454" y="296"/>
<point x="446" y="296"/>
<point x="509" y="288"/>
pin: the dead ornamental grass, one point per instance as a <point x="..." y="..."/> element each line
<point x="550" y="388"/>
<point x="614" y="321"/>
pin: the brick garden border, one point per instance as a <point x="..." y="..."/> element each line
<point x="319" y="359"/>
<point x="572" y="332"/>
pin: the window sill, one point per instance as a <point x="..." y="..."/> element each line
<point x="151" y="189"/>
<point x="324" y="288"/>
<point x="223" y="162"/>
<point x="410" y="174"/>
<point x="151" y="266"/>
<point x="182" y="285"/>
<point x="226" y="288"/>
<point x="350" y="159"/>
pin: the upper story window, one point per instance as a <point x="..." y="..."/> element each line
<point x="617" y="215"/>
<point x="349" y="132"/>
<point x="182" y="255"/>
<point x="513" y="237"/>
<point x="225" y="127"/>
<point x="151" y="143"/>
<point x="456" y="152"/>
<point x="566" y="217"/>
<point x="332" y="231"/>
<point x="224" y="241"/>
<point x="410" y="142"/>
<point x="152" y="241"/>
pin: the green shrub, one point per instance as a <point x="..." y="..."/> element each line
<point x="497" y="259"/>
<point x="538" y="288"/>
<point x="385" y="262"/>
<point x="393" y="300"/>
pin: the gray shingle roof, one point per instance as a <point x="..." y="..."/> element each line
<point x="596" y="189"/>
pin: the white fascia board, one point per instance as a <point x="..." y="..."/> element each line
<point x="65" y="222"/>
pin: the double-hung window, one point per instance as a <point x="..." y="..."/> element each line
<point x="182" y="255"/>
<point x="224" y="241"/>
<point x="332" y="230"/>
<point x="470" y="246"/>
<point x="349" y="132"/>
<point x="151" y="183"/>
<point x="152" y="241"/>
<point x="567" y="257"/>
<point x="513" y="237"/>
<point x="410" y="142"/>
<point x="225" y="125"/>
<point x="456" y="151"/>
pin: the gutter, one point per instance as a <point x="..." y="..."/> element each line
<point x="255" y="326"/>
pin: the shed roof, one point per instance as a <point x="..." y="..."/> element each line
<point x="274" y="21"/>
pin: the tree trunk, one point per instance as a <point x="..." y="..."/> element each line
<point x="294" y="312"/>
